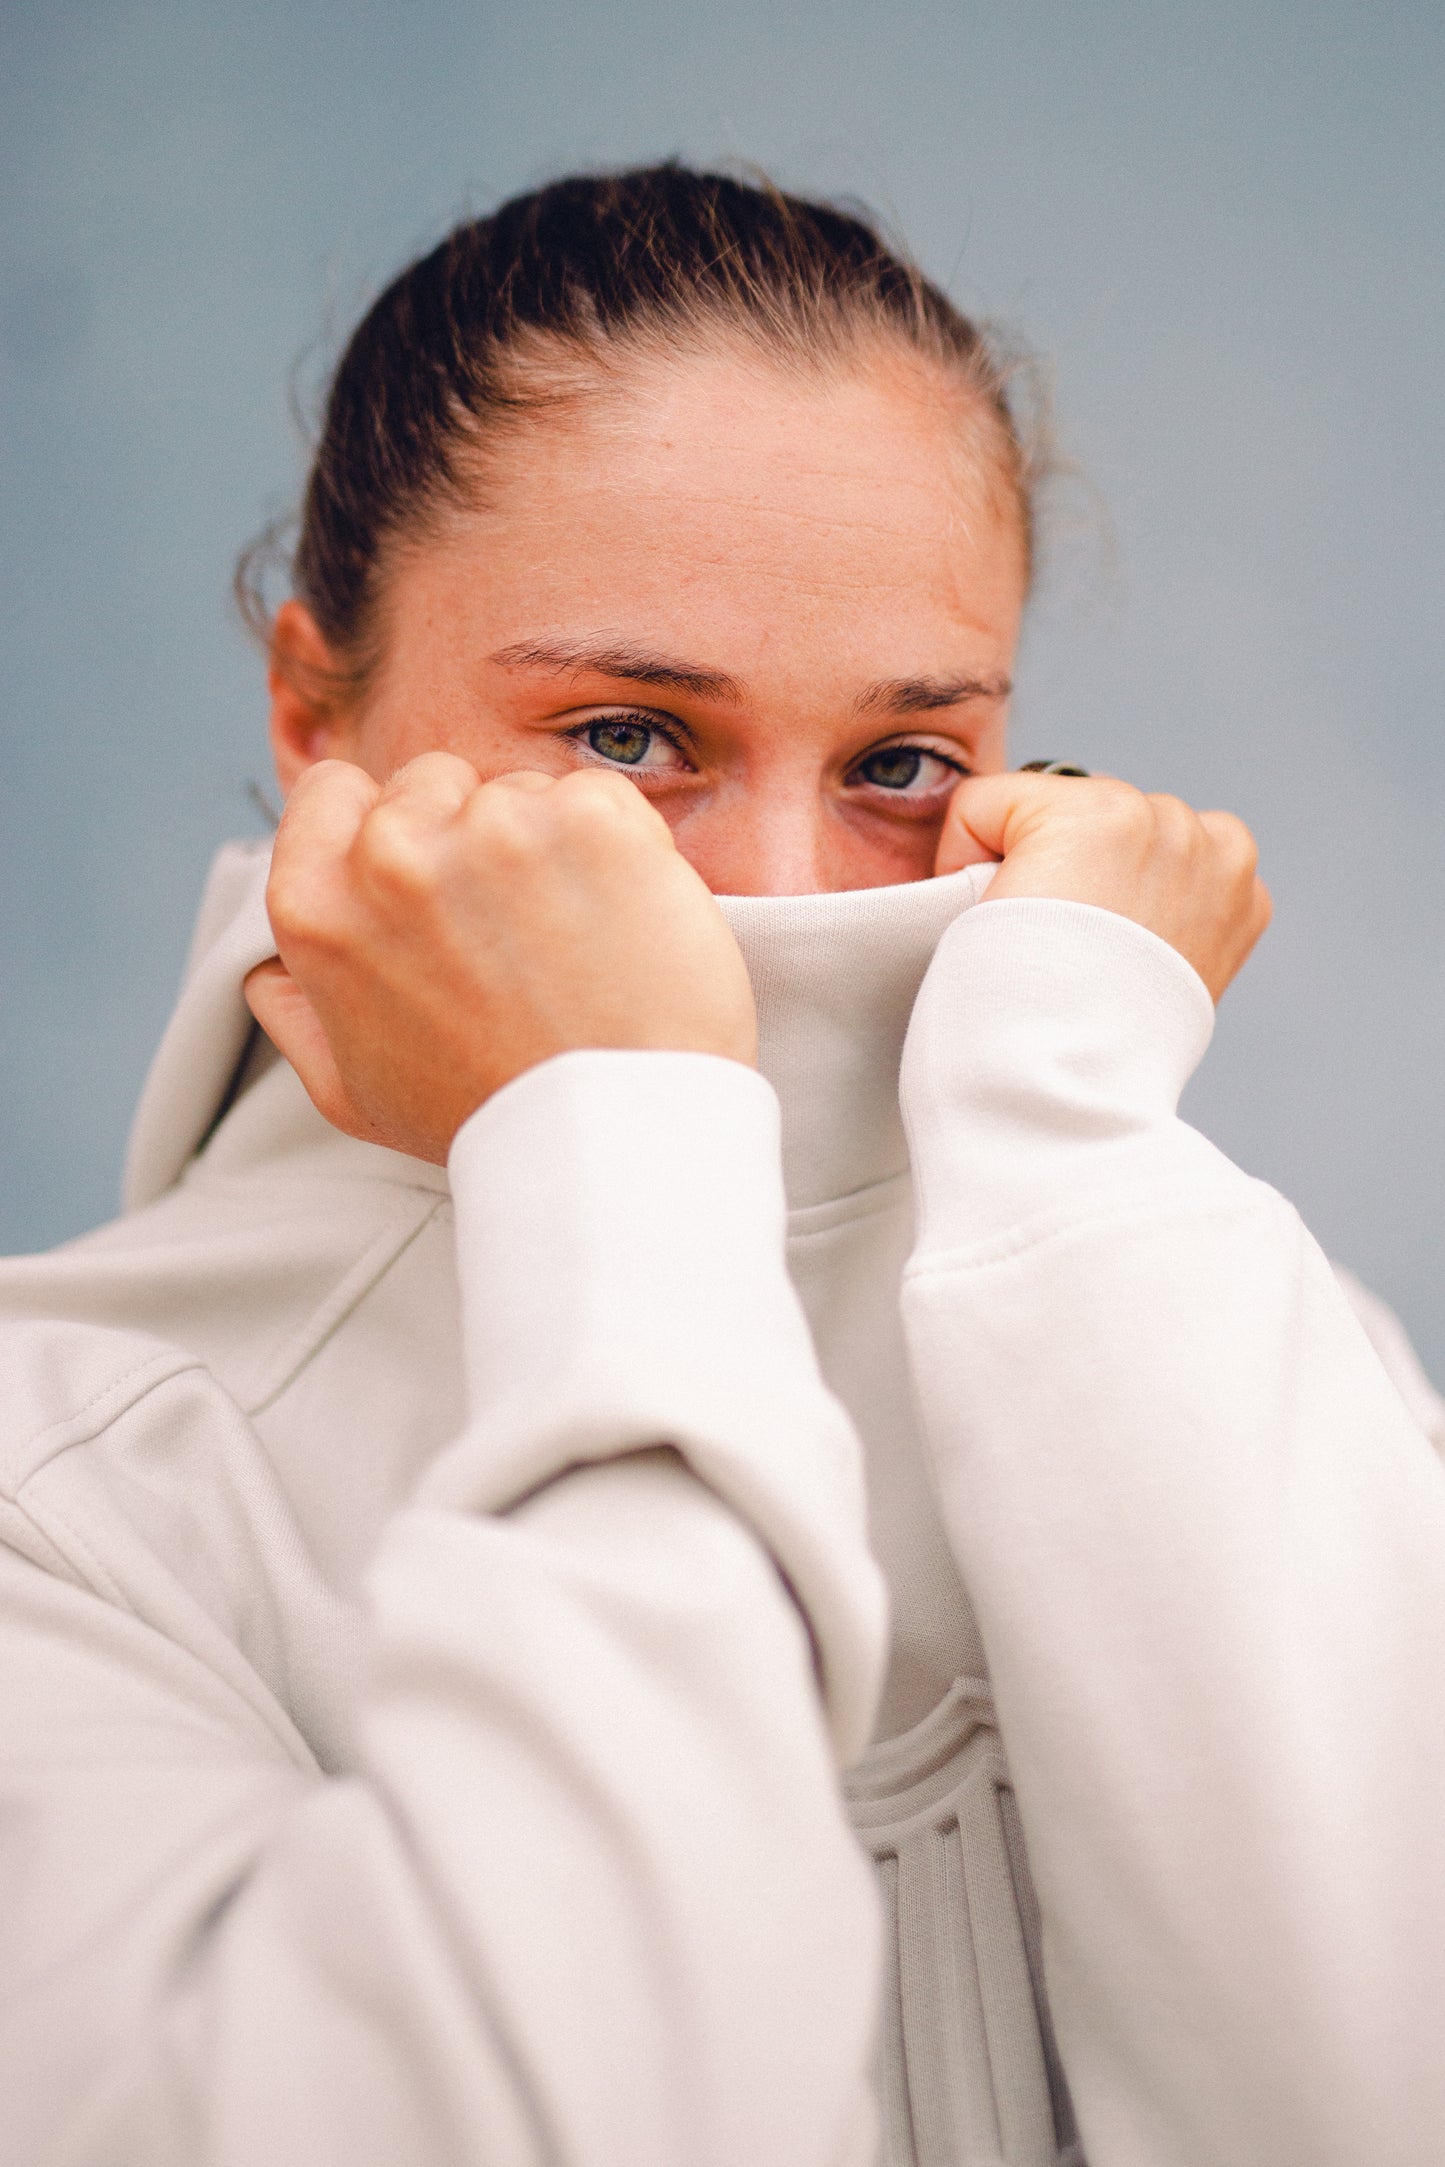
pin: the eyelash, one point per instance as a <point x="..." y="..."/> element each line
<point x="580" y="732"/>
<point x="930" y="752"/>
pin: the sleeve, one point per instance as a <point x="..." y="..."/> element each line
<point x="582" y="1889"/>
<point x="1391" y="1342"/>
<point x="1206" y="1542"/>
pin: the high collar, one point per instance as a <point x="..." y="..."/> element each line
<point x="835" y="978"/>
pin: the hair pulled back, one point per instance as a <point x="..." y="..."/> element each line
<point x="504" y="316"/>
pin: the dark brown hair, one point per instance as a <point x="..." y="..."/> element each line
<point x="511" y="313"/>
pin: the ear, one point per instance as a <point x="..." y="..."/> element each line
<point x="309" y="720"/>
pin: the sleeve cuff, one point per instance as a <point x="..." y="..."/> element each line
<point x="1045" y="1059"/>
<point x="614" y="1203"/>
<point x="620" y="1247"/>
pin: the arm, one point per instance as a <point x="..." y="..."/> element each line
<point x="1207" y="1547"/>
<point x="580" y="1889"/>
<point x="579" y="1886"/>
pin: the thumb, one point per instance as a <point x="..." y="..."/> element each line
<point x="989" y="815"/>
<point x="294" y="1028"/>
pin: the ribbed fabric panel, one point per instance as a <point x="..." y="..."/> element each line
<point x="1033" y="1928"/>
<point x="969" y="2075"/>
<point x="895" y="2112"/>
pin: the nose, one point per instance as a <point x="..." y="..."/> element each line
<point x="756" y="843"/>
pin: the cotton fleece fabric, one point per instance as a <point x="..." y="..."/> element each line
<point x="443" y="1640"/>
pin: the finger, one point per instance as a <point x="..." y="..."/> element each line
<point x="327" y="804"/>
<point x="987" y="813"/>
<point x="587" y="802"/>
<point x="1251" y="927"/>
<point x="1261" y="911"/>
<point x="1177" y="829"/>
<point x="324" y="814"/>
<point x="524" y="779"/>
<point x="430" y="790"/>
<point x="615" y="795"/>
<point x="1234" y="840"/>
<point x="294" y="1028"/>
<point x="393" y="853"/>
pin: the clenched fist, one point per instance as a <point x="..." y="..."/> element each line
<point x="438" y="935"/>
<point x="1189" y="877"/>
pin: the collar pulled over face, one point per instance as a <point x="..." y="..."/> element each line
<point x="835" y="978"/>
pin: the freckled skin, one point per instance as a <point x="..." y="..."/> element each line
<point x="807" y="536"/>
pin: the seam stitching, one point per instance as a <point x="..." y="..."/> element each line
<point x="107" y="1405"/>
<point x="370" y="1268"/>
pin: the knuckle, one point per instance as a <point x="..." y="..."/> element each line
<point x="504" y="829"/>
<point x="284" y="905"/>
<point x="1234" y="842"/>
<point x="325" y="798"/>
<point x="501" y="809"/>
<point x="602" y="808"/>
<point x="1243" y="842"/>
<point x="1108" y="790"/>
<point x="388" y="854"/>
<point x="438" y="767"/>
<point x="331" y="778"/>
<point x="1118" y="806"/>
<point x="1176" y="821"/>
<point x="295" y="906"/>
<point x="1172" y="812"/>
<point x="594" y="791"/>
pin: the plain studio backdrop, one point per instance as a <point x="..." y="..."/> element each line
<point x="1220" y="225"/>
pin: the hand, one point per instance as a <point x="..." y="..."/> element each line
<point x="438" y="935"/>
<point x="1187" y="876"/>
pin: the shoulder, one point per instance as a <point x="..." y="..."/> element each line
<point x="66" y="1383"/>
<point x="247" y="1273"/>
<point x="1391" y="1342"/>
<point x="126" y="1468"/>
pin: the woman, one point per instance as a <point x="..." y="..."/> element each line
<point x="432" y="1680"/>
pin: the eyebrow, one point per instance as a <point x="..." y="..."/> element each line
<point x="925" y="695"/>
<point x="634" y="665"/>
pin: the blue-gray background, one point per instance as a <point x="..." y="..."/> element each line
<point x="1222" y="224"/>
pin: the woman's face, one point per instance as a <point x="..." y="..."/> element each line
<point x="785" y="606"/>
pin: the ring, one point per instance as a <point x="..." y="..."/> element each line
<point x="1051" y="767"/>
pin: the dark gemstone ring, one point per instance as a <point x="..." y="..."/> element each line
<point x="1050" y="767"/>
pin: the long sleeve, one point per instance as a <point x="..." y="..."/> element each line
<point x="1207" y="1547"/>
<point x="577" y="1884"/>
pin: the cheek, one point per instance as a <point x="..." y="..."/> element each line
<point x="915" y="858"/>
<point x="881" y="853"/>
<point x="382" y="743"/>
<point x="401" y="724"/>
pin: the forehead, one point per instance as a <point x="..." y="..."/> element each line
<point x="719" y="493"/>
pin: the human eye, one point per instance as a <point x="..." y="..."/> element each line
<point x="637" y="742"/>
<point x="915" y="773"/>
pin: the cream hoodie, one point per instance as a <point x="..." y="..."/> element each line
<point x="427" y="1645"/>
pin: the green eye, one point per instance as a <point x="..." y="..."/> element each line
<point x="645" y="745"/>
<point x="896" y="767"/>
<point x="627" y="742"/>
<point x="914" y="772"/>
